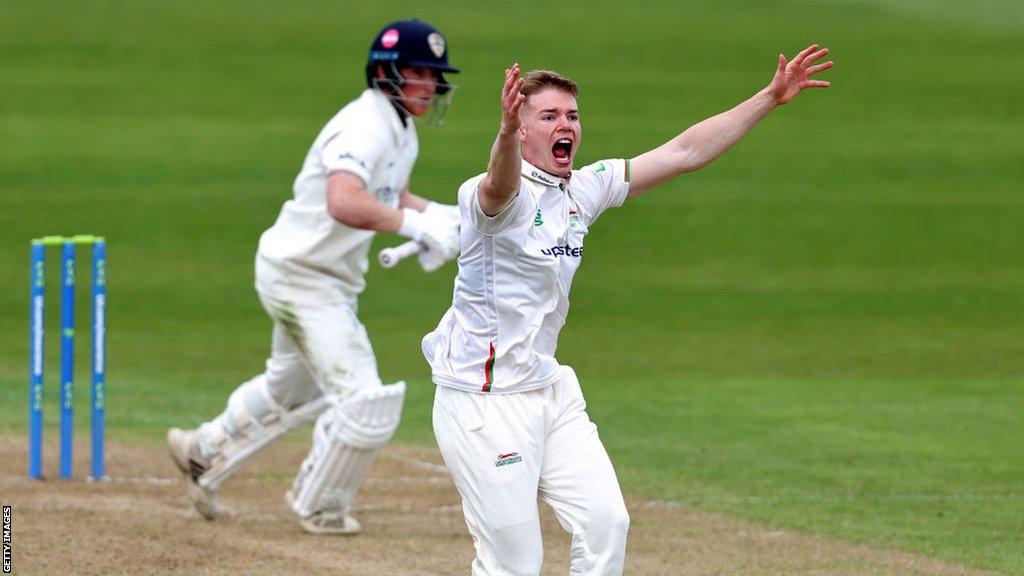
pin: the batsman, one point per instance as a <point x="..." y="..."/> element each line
<point x="310" y="269"/>
<point x="510" y="421"/>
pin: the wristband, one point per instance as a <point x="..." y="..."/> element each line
<point x="413" y="223"/>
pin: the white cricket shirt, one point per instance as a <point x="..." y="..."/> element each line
<point x="309" y="256"/>
<point x="515" y="270"/>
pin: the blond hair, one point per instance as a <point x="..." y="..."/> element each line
<point x="537" y="80"/>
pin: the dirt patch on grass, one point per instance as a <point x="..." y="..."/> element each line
<point x="140" y="522"/>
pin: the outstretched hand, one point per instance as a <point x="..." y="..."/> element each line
<point x="502" y="181"/>
<point x="511" y="100"/>
<point x="793" y="76"/>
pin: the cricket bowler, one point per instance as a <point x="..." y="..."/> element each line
<point x="510" y="421"/>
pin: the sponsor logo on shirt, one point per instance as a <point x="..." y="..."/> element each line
<point x="538" y="219"/>
<point x="348" y="156"/>
<point x="600" y="167"/>
<point x="542" y="177"/>
<point x="506" y="459"/>
<point x="386" y="194"/>
<point x="565" y="250"/>
<point x="574" y="218"/>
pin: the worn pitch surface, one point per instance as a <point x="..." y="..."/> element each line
<point x="141" y="523"/>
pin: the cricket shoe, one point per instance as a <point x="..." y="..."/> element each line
<point x="325" y="522"/>
<point x="185" y="453"/>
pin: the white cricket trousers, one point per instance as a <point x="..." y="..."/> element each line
<point x="317" y="351"/>
<point x="505" y="450"/>
<point x="317" y="348"/>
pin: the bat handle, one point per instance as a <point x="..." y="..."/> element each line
<point x="389" y="257"/>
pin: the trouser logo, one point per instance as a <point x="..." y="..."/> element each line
<point x="506" y="459"/>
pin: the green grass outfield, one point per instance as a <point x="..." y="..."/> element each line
<point x="823" y="331"/>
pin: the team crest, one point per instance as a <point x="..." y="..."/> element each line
<point x="574" y="218"/>
<point x="436" y="42"/>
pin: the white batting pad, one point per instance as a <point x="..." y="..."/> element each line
<point x="251" y="421"/>
<point x="345" y="439"/>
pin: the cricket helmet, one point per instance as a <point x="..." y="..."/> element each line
<point x="409" y="43"/>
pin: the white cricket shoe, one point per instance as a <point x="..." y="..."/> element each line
<point x="326" y="522"/>
<point x="185" y="453"/>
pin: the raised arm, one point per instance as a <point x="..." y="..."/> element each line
<point x="501" y="183"/>
<point x="701" y="143"/>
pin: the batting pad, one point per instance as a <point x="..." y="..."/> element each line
<point x="251" y="421"/>
<point x="346" y="437"/>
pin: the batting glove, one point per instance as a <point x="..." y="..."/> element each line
<point x="439" y="237"/>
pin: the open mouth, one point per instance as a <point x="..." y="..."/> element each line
<point x="562" y="151"/>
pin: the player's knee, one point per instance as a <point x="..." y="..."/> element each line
<point x="517" y="550"/>
<point x="620" y="523"/>
<point x="599" y="545"/>
<point x="255" y="401"/>
<point x="248" y="406"/>
<point x="610" y="525"/>
<point x="292" y="390"/>
<point x="289" y="381"/>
